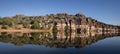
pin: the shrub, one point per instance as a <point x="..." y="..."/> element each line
<point x="3" y="27"/>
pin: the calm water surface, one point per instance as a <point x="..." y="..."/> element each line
<point x="45" y="43"/>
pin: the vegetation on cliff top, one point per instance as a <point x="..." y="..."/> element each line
<point x="49" y="21"/>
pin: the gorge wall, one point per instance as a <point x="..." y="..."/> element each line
<point x="57" y="22"/>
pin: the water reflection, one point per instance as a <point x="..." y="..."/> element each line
<point x="57" y="39"/>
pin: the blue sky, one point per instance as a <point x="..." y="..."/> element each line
<point x="107" y="11"/>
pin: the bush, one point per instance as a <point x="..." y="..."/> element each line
<point x="3" y="27"/>
<point x="55" y="27"/>
<point x="36" y="25"/>
<point x="67" y="28"/>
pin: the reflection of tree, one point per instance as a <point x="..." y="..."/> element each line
<point x="69" y="40"/>
<point x="54" y="35"/>
<point x="35" y="36"/>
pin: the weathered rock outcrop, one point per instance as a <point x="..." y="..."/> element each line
<point x="81" y="23"/>
<point x="58" y="22"/>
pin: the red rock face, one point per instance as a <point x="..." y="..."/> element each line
<point x="72" y="21"/>
<point x="89" y="24"/>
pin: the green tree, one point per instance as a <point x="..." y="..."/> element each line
<point x="26" y="24"/>
<point x="67" y="28"/>
<point x="35" y="25"/>
<point x="55" y="27"/>
<point x="11" y="24"/>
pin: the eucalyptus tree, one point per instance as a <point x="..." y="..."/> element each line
<point x="36" y="25"/>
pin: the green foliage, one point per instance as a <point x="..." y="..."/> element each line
<point x="55" y="35"/>
<point x="4" y="27"/>
<point x="11" y="24"/>
<point x="67" y="27"/>
<point x="26" y="25"/>
<point x="55" y="26"/>
<point x="35" y="25"/>
<point x="46" y="22"/>
<point x="35" y="36"/>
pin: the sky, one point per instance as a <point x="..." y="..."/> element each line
<point x="107" y="11"/>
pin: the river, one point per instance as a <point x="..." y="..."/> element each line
<point x="59" y="43"/>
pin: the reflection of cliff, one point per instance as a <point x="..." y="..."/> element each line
<point x="58" y="40"/>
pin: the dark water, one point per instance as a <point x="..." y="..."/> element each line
<point x="59" y="43"/>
